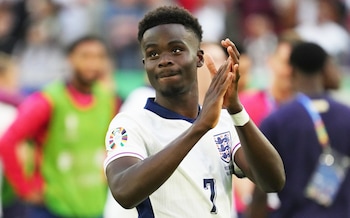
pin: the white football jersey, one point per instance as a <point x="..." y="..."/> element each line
<point x="202" y="184"/>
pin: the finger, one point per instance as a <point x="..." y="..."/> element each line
<point x="208" y="60"/>
<point x="236" y="72"/>
<point x="233" y="55"/>
<point x="235" y="49"/>
<point x="228" y="43"/>
<point x="224" y="73"/>
<point x="226" y="85"/>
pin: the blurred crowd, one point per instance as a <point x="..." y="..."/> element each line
<point x="35" y="32"/>
<point x="34" y="35"/>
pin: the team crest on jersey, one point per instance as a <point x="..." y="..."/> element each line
<point x="118" y="137"/>
<point x="223" y="143"/>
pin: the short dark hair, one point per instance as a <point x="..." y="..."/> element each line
<point x="87" y="38"/>
<point x="170" y="15"/>
<point x="308" y="57"/>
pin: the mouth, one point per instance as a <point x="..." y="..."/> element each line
<point x="167" y="74"/>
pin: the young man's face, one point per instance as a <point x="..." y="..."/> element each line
<point x="89" y="61"/>
<point x="171" y="57"/>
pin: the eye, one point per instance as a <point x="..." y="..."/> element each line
<point x="153" y="54"/>
<point x="177" y="50"/>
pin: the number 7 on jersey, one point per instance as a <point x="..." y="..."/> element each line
<point x="210" y="184"/>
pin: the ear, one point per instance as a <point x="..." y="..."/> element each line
<point x="200" y="55"/>
<point x="143" y="61"/>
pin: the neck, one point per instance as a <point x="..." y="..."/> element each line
<point x="309" y="85"/>
<point x="185" y="104"/>
<point x="80" y="86"/>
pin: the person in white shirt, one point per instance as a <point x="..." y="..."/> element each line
<point x="174" y="158"/>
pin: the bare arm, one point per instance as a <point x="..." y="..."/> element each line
<point x="132" y="180"/>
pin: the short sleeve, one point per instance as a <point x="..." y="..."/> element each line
<point x="124" y="138"/>
<point x="236" y="170"/>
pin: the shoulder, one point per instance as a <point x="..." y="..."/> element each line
<point x="37" y="101"/>
<point x="338" y="111"/>
<point x="54" y="86"/>
<point x="137" y="119"/>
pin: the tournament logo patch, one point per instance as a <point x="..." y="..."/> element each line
<point x="118" y="137"/>
<point x="223" y="143"/>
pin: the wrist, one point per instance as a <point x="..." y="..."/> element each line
<point x="241" y="118"/>
<point x="235" y="109"/>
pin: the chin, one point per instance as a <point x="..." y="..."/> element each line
<point x="172" y="91"/>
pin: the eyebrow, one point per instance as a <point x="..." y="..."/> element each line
<point x="148" y="45"/>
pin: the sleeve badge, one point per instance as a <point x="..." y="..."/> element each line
<point x="118" y="137"/>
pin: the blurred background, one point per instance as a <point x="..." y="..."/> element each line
<point x="36" y="32"/>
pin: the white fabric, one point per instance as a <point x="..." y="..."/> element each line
<point x="184" y="193"/>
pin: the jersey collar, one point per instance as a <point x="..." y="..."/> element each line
<point x="161" y="111"/>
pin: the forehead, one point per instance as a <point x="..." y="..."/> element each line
<point x="168" y="32"/>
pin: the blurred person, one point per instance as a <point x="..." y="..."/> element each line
<point x="302" y="143"/>
<point x="171" y="141"/>
<point x="280" y="88"/>
<point x="120" y="22"/>
<point x="211" y="15"/>
<point x="78" y="18"/>
<point x="9" y="85"/>
<point x="11" y="206"/>
<point x="13" y="16"/>
<point x="40" y="57"/>
<point x="327" y="31"/>
<point x="66" y="122"/>
<point x="7" y="22"/>
<point x="260" y="103"/>
<point x="260" y="42"/>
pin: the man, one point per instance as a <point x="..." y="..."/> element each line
<point x="292" y="132"/>
<point x="66" y="122"/>
<point x="280" y="88"/>
<point x="260" y="103"/>
<point x="173" y="158"/>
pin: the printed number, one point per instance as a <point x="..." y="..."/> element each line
<point x="210" y="184"/>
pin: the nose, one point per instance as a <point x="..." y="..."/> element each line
<point x="165" y="60"/>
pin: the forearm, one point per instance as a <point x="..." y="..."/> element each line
<point x="13" y="169"/>
<point x="131" y="186"/>
<point x="265" y="164"/>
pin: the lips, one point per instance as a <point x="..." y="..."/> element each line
<point x="166" y="74"/>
